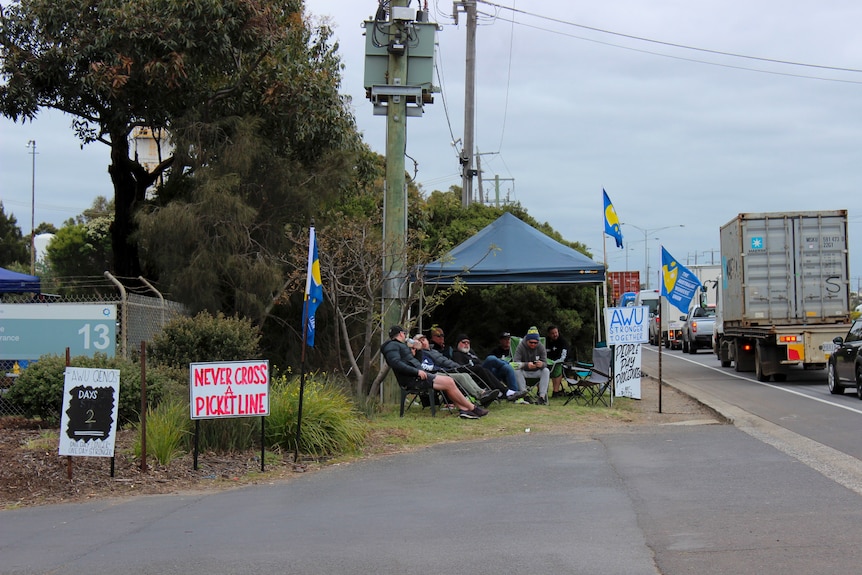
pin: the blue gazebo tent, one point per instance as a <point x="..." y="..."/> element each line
<point x="14" y="282"/>
<point x="510" y="251"/>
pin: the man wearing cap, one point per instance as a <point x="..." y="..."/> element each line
<point x="492" y="370"/>
<point x="533" y="363"/>
<point x="408" y="371"/>
<point x="503" y="350"/>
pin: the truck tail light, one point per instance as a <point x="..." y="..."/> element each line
<point x="790" y="339"/>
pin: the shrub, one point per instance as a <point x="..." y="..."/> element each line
<point x="204" y="337"/>
<point x="330" y="422"/>
<point x="38" y="391"/>
<point x="168" y="431"/>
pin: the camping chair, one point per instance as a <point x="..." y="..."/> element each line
<point x="588" y="384"/>
<point x="416" y="394"/>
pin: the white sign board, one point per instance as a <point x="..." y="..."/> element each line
<point x="627" y="370"/>
<point x="88" y="424"/>
<point x="229" y="389"/>
<point x="626" y="325"/>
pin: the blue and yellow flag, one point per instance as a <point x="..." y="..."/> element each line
<point x="313" y="289"/>
<point x="678" y="284"/>
<point x="612" y="222"/>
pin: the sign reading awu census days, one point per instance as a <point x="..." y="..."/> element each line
<point x="229" y="389"/>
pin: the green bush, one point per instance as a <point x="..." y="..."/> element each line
<point x="168" y="431"/>
<point x="229" y="434"/>
<point x="38" y="391"/>
<point x="204" y="337"/>
<point x="330" y="422"/>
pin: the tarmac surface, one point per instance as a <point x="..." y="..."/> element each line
<point x="693" y="497"/>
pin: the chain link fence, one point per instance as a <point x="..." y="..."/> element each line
<point x="139" y="319"/>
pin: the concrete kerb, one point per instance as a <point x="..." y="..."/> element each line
<point x="844" y="469"/>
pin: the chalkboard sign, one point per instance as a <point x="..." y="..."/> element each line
<point x="89" y="418"/>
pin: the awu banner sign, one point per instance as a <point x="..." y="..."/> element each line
<point x="229" y="389"/>
<point x="626" y="325"/>
<point x="88" y="424"/>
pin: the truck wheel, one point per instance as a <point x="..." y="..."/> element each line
<point x="758" y="365"/>
<point x="684" y="345"/>
<point x="667" y="343"/>
<point x="832" y="381"/>
<point x="859" y="381"/>
<point x="692" y="347"/>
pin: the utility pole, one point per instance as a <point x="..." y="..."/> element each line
<point x="399" y="63"/>
<point x="467" y="171"/>
<point x="32" y="145"/>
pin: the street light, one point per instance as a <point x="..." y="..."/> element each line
<point x="32" y="146"/>
<point x="647" y="232"/>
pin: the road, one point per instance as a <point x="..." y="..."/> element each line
<point x="753" y="497"/>
<point x="802" y="404"/>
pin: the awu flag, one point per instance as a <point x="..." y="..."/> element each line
<point x="313" y="289"/>
<point x="612" y="222"/>
<point x="678" y="284"/>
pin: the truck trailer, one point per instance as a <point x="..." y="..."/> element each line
<point x="784" y="291"/>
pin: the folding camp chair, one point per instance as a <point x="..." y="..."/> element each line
<point x="589" y="383"/>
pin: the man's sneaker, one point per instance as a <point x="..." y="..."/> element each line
<point x="542" y="400"/>
<point x="489" y="397"/>
<point x="480" y="411"/>
<point x="516" y="396"/>
<point x="469" y="414"/>
<point x="522" y="401"/>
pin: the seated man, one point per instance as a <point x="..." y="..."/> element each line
<point x="408" y="371"/>
<point x="533" y="363"/>
<point x="438" y="342"/>
<point x="433" y="362"/>
<point x="504" y="349"/>
<point x="490" y="371"/>
<point x="558" y="349"/>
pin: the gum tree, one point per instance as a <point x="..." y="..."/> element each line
<point x="176" y="67"/>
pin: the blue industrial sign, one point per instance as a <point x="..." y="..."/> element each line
<point x="30" y="330"/>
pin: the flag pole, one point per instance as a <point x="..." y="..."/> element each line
<point x="305" y="314"/>
<point x="301" y="384"/>
<point x="604" y="285"/>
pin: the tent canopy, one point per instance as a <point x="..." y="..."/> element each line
<point x="13" y="282"/>
<point x="509" y="251"/>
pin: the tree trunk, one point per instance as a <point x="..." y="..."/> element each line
<point x="131" y="181"/>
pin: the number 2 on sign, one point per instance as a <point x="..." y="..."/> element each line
<point x="100" y="336"/>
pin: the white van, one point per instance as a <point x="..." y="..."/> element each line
<point x="649" y="298"/>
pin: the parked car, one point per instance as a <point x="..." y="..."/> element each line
<point x="697" y="328"/>
<point x="845" y="363"/>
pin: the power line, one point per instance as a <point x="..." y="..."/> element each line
<point x="671" y="44"/>
<point x="682" y="58"/>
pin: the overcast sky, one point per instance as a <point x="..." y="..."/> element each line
<point x="675" y="135"/>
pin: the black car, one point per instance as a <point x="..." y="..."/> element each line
<point x="845" y="363"/>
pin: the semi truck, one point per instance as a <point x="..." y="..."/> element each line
<point x="784" y="291"/>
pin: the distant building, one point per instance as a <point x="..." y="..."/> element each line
<point x="150" y="147"/>
<point x="41" y="242"/>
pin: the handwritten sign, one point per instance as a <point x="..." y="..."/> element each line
<point x="627" y="370"/>
<point x="626" y="325"/>
<point x="88" y="423"/>
<point x="229" y="389"/>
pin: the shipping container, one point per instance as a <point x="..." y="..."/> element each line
<point x="622" y="282"/>
<point x="785" y="290"/>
